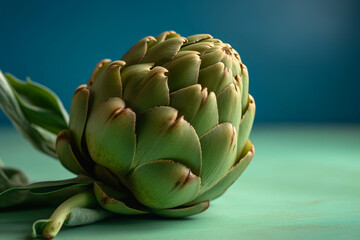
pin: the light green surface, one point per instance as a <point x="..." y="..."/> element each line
<point x="303" y="183"/>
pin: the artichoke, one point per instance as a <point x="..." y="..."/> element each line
<point x="164" y="130"/>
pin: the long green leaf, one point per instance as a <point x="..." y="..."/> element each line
<point x="35" y="111"/>
<point x="51" y="186"/>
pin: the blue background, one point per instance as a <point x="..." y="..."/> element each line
<point x="303" y="56"/>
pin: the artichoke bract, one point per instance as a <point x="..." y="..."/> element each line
<point x="165" y="129"/>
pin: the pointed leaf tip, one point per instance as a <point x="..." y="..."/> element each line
<point x="65" y="148"/>
<point x="230" y="177"/>
<point x="110" y="135"/>
<point x="162" y="184"/>
<point x="219" y="153"/>
<point x="98" y="69"/>
<point x="156" y="134"/>
<point x="117" y="64"/>
<point x="117" y="201"/>
<point x="107" y="83"/>
<point x="79" y="109"/>
<point x="138" y="51"/>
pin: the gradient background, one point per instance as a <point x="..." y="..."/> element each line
<point x="303" y="56"/>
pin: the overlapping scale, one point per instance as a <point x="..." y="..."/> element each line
<point x="246" y="124"/>
<point x="215" y="77"/>
<point x="137" y="52"/>
<point x="183" y="71"/>
<point x="79" y="109"/>
<point x="219" y="147"/>
<point x="244" y="78"/>
<point x="110" y="135"/>
<point x="200" y="47"/>
<point x="164" y="51"/>
<point x="150" y="91"/>
<point x="230" y="177"/>
<point x="166" y="35"/>
<point x="66" y="149"/>
<point x="229" y="105"/>
<point x="107" y="83"/>
<point x="196" y="38"/>
<point x="162" y="184"/>
<point x="134" y="74"/>
<point x="117" y="200"/>
<point x="198" y="107"/>
<point x="162" y="134"/>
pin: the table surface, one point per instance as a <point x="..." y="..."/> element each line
<point x="303" y="183"/>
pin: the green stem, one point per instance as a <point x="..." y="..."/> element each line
<point x="83" y="200"/>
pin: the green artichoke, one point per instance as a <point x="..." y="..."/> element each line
<point x="163" y="130"/>
<point x="169" y="122"/>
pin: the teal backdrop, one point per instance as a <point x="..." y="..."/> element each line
<point x="303" y="56"/>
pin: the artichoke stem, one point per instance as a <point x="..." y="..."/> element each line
<point x="84" y="199"/>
